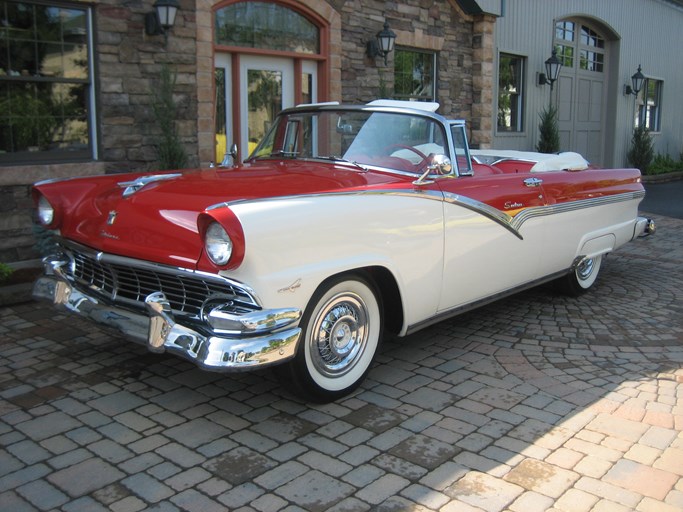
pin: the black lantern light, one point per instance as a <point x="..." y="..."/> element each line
<point x="162" y="18"/>
<point x="383" y="44"/>
<point x="637" y="80"/>
<point x="552" y="71"/>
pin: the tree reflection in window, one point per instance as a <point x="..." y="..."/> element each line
<point x="266" y="26"/>
<point x="510" y="93"/>
<point x="414" y="75"/>
<point x="44" y="82"/>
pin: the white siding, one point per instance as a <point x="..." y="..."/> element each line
<point x="646" y="32"/>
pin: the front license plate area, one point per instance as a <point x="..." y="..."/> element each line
<point x="159" y="329"/>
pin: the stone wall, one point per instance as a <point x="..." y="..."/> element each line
<point x="128" y="65"/>
<point x="464" y="45"/>
<point x="17" y="241"/>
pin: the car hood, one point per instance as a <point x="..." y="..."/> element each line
<point x="157" y="221"/>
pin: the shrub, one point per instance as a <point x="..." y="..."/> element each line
<point x="172" y="154"/>
<point x="45" y="243"/>
<point x="641" y="153"/>
<point x="663" y="164"/>
<point x="549" y="141"/>
<point x="5" y="272"/>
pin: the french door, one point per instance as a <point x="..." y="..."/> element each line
<point x="251" y="90"/>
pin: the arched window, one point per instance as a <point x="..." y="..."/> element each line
<point x="266" y="26"/>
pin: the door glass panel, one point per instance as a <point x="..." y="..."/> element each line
<point x="221" y="118"/>
<point x="306" y="88"/>
<point x="263" y="104"/>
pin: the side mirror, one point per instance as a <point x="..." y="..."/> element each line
<point x="440" y="164"/>
<point x="231" y="154"/>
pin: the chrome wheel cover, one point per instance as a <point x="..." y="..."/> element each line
<point x="585" y="269"/>
<point x="339" y="335"/>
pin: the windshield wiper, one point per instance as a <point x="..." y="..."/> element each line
<point x="286" y="154"/>
<point x="334" y="158"/>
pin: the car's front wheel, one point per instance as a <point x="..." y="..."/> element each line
<point x="341" y="330"/>
<point x="582" y="278"/>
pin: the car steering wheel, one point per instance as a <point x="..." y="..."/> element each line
<point x="390" y="149"/>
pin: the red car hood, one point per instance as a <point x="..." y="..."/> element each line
<point x="159" y="221"/>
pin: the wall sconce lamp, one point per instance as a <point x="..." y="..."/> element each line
<point x="552" y="71"/>
<point x="383" y="43"/>
<point x="162" y="18"/>
<point x="637" y="80"/>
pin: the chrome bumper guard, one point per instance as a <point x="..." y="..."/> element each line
<point x="644" y="227"/>
<point x="258" y="345"/>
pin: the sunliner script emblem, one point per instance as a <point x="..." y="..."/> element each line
<point x="513" y="204"/>
<point x="112" y="217"/>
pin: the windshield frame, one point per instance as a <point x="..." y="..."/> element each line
<point x="286" y="138"/>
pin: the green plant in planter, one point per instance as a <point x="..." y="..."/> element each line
<point x="5" y="273"/>
<point x="172" y="154"/>
<point x="642" y="152"/>
<point x="549" y="141"/>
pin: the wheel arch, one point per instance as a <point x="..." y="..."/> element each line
<point x="387" y="286"/>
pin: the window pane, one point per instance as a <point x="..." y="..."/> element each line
<point x="565" y="54"/>
<point x="649" y="108"/>
<point x="44" y="116"/>
<point x="265" y="25"/>
<point x="221" y="121"/>
<point x="510" y="93"/>
<point x="44" y="82"/>
<point x="591" y="38"/>
<point x="564" y="30"/>
<point x="306" y="88"/>
<point x="591" y="61"/>
<point x="264" y="103"/>
<point x="414" y="75"/>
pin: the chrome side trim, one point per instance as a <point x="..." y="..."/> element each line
<point x="512" y="224"/>
<point x="485" y="210"/>
<point x="555" y="209"/>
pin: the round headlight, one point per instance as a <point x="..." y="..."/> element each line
<point x="46" y="213"/>
<point x="218" y="244"/>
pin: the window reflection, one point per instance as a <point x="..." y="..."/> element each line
<point x="414" y="75"/>
<point x="510" y="93"/>
<point x="44" y="81"/>
<point x="265" y="25"/>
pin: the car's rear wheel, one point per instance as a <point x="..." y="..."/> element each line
<point x="582" y="278"/>
<point x="341" y="330"/>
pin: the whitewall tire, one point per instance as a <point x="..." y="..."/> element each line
<point x="341" y="330"/>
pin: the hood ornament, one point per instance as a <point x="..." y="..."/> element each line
<point x="131" y="187"/>
<point x="111" y="218"/>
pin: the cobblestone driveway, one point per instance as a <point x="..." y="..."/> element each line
<point x="535" y="402"/>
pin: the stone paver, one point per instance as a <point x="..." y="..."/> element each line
<point x="535" y="402"/>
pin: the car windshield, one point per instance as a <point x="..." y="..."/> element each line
<point x="381" y="139"/>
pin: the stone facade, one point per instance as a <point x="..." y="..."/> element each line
<point x="128" y="64"/>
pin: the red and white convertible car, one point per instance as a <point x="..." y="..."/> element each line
<point x="345" y="221"/>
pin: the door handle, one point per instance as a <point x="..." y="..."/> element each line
<point x="533" y="182"/>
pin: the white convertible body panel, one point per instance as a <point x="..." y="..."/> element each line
<point x="305" y="240"/>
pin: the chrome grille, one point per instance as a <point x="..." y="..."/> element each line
<point x="130" y="284"/>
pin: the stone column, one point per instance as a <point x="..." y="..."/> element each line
<point x="483" y="50"/>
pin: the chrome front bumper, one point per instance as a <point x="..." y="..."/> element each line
<point x="267" y="336"/>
